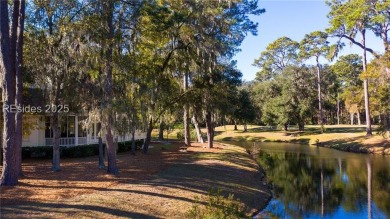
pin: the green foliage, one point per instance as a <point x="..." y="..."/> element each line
<point x="180" y="135"/>
<point x="348" y="69"/>
<point x="277" y="56"/>
<point x="315" y="45"/>
<point x="245" y="110"/>
<point x="218" y="207"/>
<point x="289" y="98"/>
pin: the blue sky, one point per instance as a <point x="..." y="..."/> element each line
<point x="289" y="18"/>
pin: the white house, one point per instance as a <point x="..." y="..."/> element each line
<point x="73" y="132"/>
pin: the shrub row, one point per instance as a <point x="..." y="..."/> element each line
<point x="73" y="151"/>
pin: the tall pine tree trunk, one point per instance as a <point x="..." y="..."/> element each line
<point x="365" y="84"/>
<point x="321" y="117"/>
<point x="161" y="130"/>
<point x="101" y="146"/>
<point x="9" y="176"/>
<point x="351" y="117"/>
<point x="19" y="82"/>
<point x="197" y="129"/>
<point x="56" y="143"/>
<point x="148" y="135"/>
<point x="338" y="109"/>
<point x="358" y="118"/>
<point x="133" y="141"/>
<point x="210" y="130"/>
<point x="108" y="11"/>
<point x="186" y="116"/>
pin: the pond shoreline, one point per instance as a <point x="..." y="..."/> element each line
<point x="343" y="138"/>
<point x="264" y="180"/>
<point x="346" y="146"/>
<point x="322" y="182"/>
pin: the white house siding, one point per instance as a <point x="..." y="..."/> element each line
<point x="37" y="136"/>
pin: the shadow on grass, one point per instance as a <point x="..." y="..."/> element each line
<point x="184" y="173"/>
<point x="328" y="130"/>
<point x="355" y="144"/>
<point x="242" y="138"/>
<point x="29" y="207"/>
<point x="308" y="130"/>
<point x="263" y="129"/>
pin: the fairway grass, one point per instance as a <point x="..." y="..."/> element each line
<point x="341" y="137"/>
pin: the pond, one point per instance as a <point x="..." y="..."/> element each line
<point x="314" y="182"/>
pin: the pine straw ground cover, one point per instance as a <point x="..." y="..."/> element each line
<point x="162" y="184"/>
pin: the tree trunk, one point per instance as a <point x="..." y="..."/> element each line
<point x="338" y="110"/>
<point x="11" y="167"/>
<point x="111" y="151"/>
<point x="186" y="116"/>
<point x="351" y="117"/>
<point x="235" y="126"/>
<point x="108" y="10"/>
<point x="197" y="128"/>
<point x="210" y="130"/>
<point x="56" y="146"/>
<point x="186" y="119"/>
<point x="245" y="127"/>
<point x="101" y="148"/>
<point x="285" y="127"/>
<point x="321" y="118"/>
<point x="301" y="126"/>
<point x="161" y="131"/>
<point x="19" y="83"/>
<point x="167" y="133"/>
<point x="388" y="125"/>
<point x="365" y="83"/>
<point x="133" y="141"/>
<point x="358" y="118"/>
<point x="148" y="135"/>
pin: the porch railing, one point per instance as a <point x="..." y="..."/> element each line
<point x="67" y="141"/>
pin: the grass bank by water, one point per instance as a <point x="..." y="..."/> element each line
<point x="340" y="137"/>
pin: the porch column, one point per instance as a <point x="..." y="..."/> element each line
<point x="76" y="130"/>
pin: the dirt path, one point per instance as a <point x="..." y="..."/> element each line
<point x="163" y="184"/>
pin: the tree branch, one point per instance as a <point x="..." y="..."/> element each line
<point x="359" y="44"/>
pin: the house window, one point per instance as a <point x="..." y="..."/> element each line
<point x="71" y="126"/>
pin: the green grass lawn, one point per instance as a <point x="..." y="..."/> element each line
<point x="342" y="137"/>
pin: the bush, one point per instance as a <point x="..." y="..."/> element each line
<point x="126" y="146"/>
<point x="80" y="151"/>
<point x="218" y="207"/>
<point x="73" y="151"/>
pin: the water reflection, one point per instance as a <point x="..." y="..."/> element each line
<point x="311" y="182"/>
